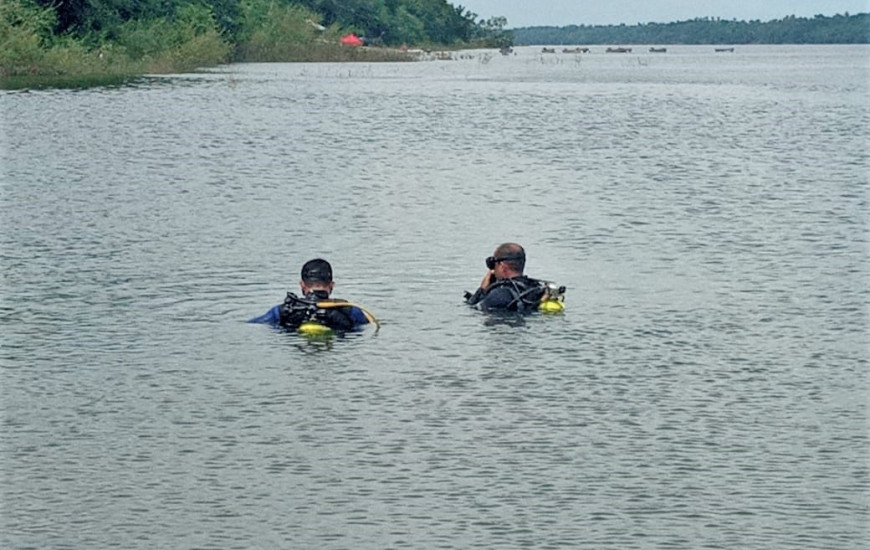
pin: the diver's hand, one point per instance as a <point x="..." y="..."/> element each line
<point x="488" y="279"/>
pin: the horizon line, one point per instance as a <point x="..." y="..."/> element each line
<point x="702" y="17"/>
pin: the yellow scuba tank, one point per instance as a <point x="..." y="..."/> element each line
<point x="551" y="306"/>
<point x="553" y="300"/>
<point x="312" y="328"/>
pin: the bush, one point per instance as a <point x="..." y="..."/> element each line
<point x="191" y="34"/>
<point x="271" y="32"/>
<point x="25" y="33"/>
<point x="201" y="50"/>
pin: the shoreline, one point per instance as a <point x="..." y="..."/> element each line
<point x="57" y="78"/>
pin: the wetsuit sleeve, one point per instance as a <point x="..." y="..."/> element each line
<point x="497" y="298"/>
<point x="476" y="297"/>
<point x="358" y="317"/>
<point x="271" y="317"/>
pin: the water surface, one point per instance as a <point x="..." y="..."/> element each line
<point x="705" y="388"/>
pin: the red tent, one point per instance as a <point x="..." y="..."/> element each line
<point x="351" y="40"/>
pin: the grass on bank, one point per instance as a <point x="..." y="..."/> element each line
<point x="32" y="57"/>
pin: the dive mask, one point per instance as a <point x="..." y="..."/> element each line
<point x="492" y="260"/>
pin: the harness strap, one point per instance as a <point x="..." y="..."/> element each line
<point x="521" y="291"/>
<point x="522" y="294"/>
<point x="522" y="297"/>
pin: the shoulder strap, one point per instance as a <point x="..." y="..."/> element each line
<point x="528" y="293"/>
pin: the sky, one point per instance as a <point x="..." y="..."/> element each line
<point x="559" y="13"/>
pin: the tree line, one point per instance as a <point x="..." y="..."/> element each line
<point x="837" y="29"/>
<point x="390" y="22"/>
<point x="122" y="37"/>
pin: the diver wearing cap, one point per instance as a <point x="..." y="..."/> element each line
<point x="315" y="306"/>
<point x="504" y="287"/>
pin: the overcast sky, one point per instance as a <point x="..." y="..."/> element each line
<point x="530" y="13"/>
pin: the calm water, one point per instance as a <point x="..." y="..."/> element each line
<point x="707" y="386"/>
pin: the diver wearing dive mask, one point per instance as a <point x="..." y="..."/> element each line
<point x="504" y="287"/>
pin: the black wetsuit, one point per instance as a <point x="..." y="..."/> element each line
<point x="516" y="294"/>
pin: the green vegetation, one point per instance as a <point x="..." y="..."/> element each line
<point x="86" y="42"/>
<point x="839" y="29"/>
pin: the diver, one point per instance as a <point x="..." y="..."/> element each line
<point x="505" y="288"/>
<point x="315" y="307"/>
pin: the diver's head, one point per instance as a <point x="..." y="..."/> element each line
<point x="316" y="275"/>
<point x="508" y="260"/>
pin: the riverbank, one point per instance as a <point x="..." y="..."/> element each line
<point x="102" y="68"/>
<point x="32" y="55"/>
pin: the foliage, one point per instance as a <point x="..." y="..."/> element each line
<point x="273" y="32"/>
<point x="838" y="29"/>
<point x="389" y="22"/>
<point x="188" y="33"/>
<point x="25" y="34"/>
<point x="122" y="37"/>
<point x="27" y="16"/>
<point x="493" y="34"/>
<point x="28" y="46"/>
<point x="394" y="22"/>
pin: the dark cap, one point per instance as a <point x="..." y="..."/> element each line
<point x="317" y="270"/>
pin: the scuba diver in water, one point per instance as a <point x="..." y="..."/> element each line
<point x="505" y="288"/>
<point x="315" y="306"/>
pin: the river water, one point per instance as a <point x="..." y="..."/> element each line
<point x="706" y="387"/>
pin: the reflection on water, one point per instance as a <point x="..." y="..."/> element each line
<point x="706" y="385"/>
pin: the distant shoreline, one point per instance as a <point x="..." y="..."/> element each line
<point x="837" y="29"/>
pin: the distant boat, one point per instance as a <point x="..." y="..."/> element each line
<point x="724" y="49"/>
<point x="548" y="50"/>
<point x="618" y="50"/>
<point x="506" y="50"/>
<point x="575" y="50"/>
<point x="658" y="50"/>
